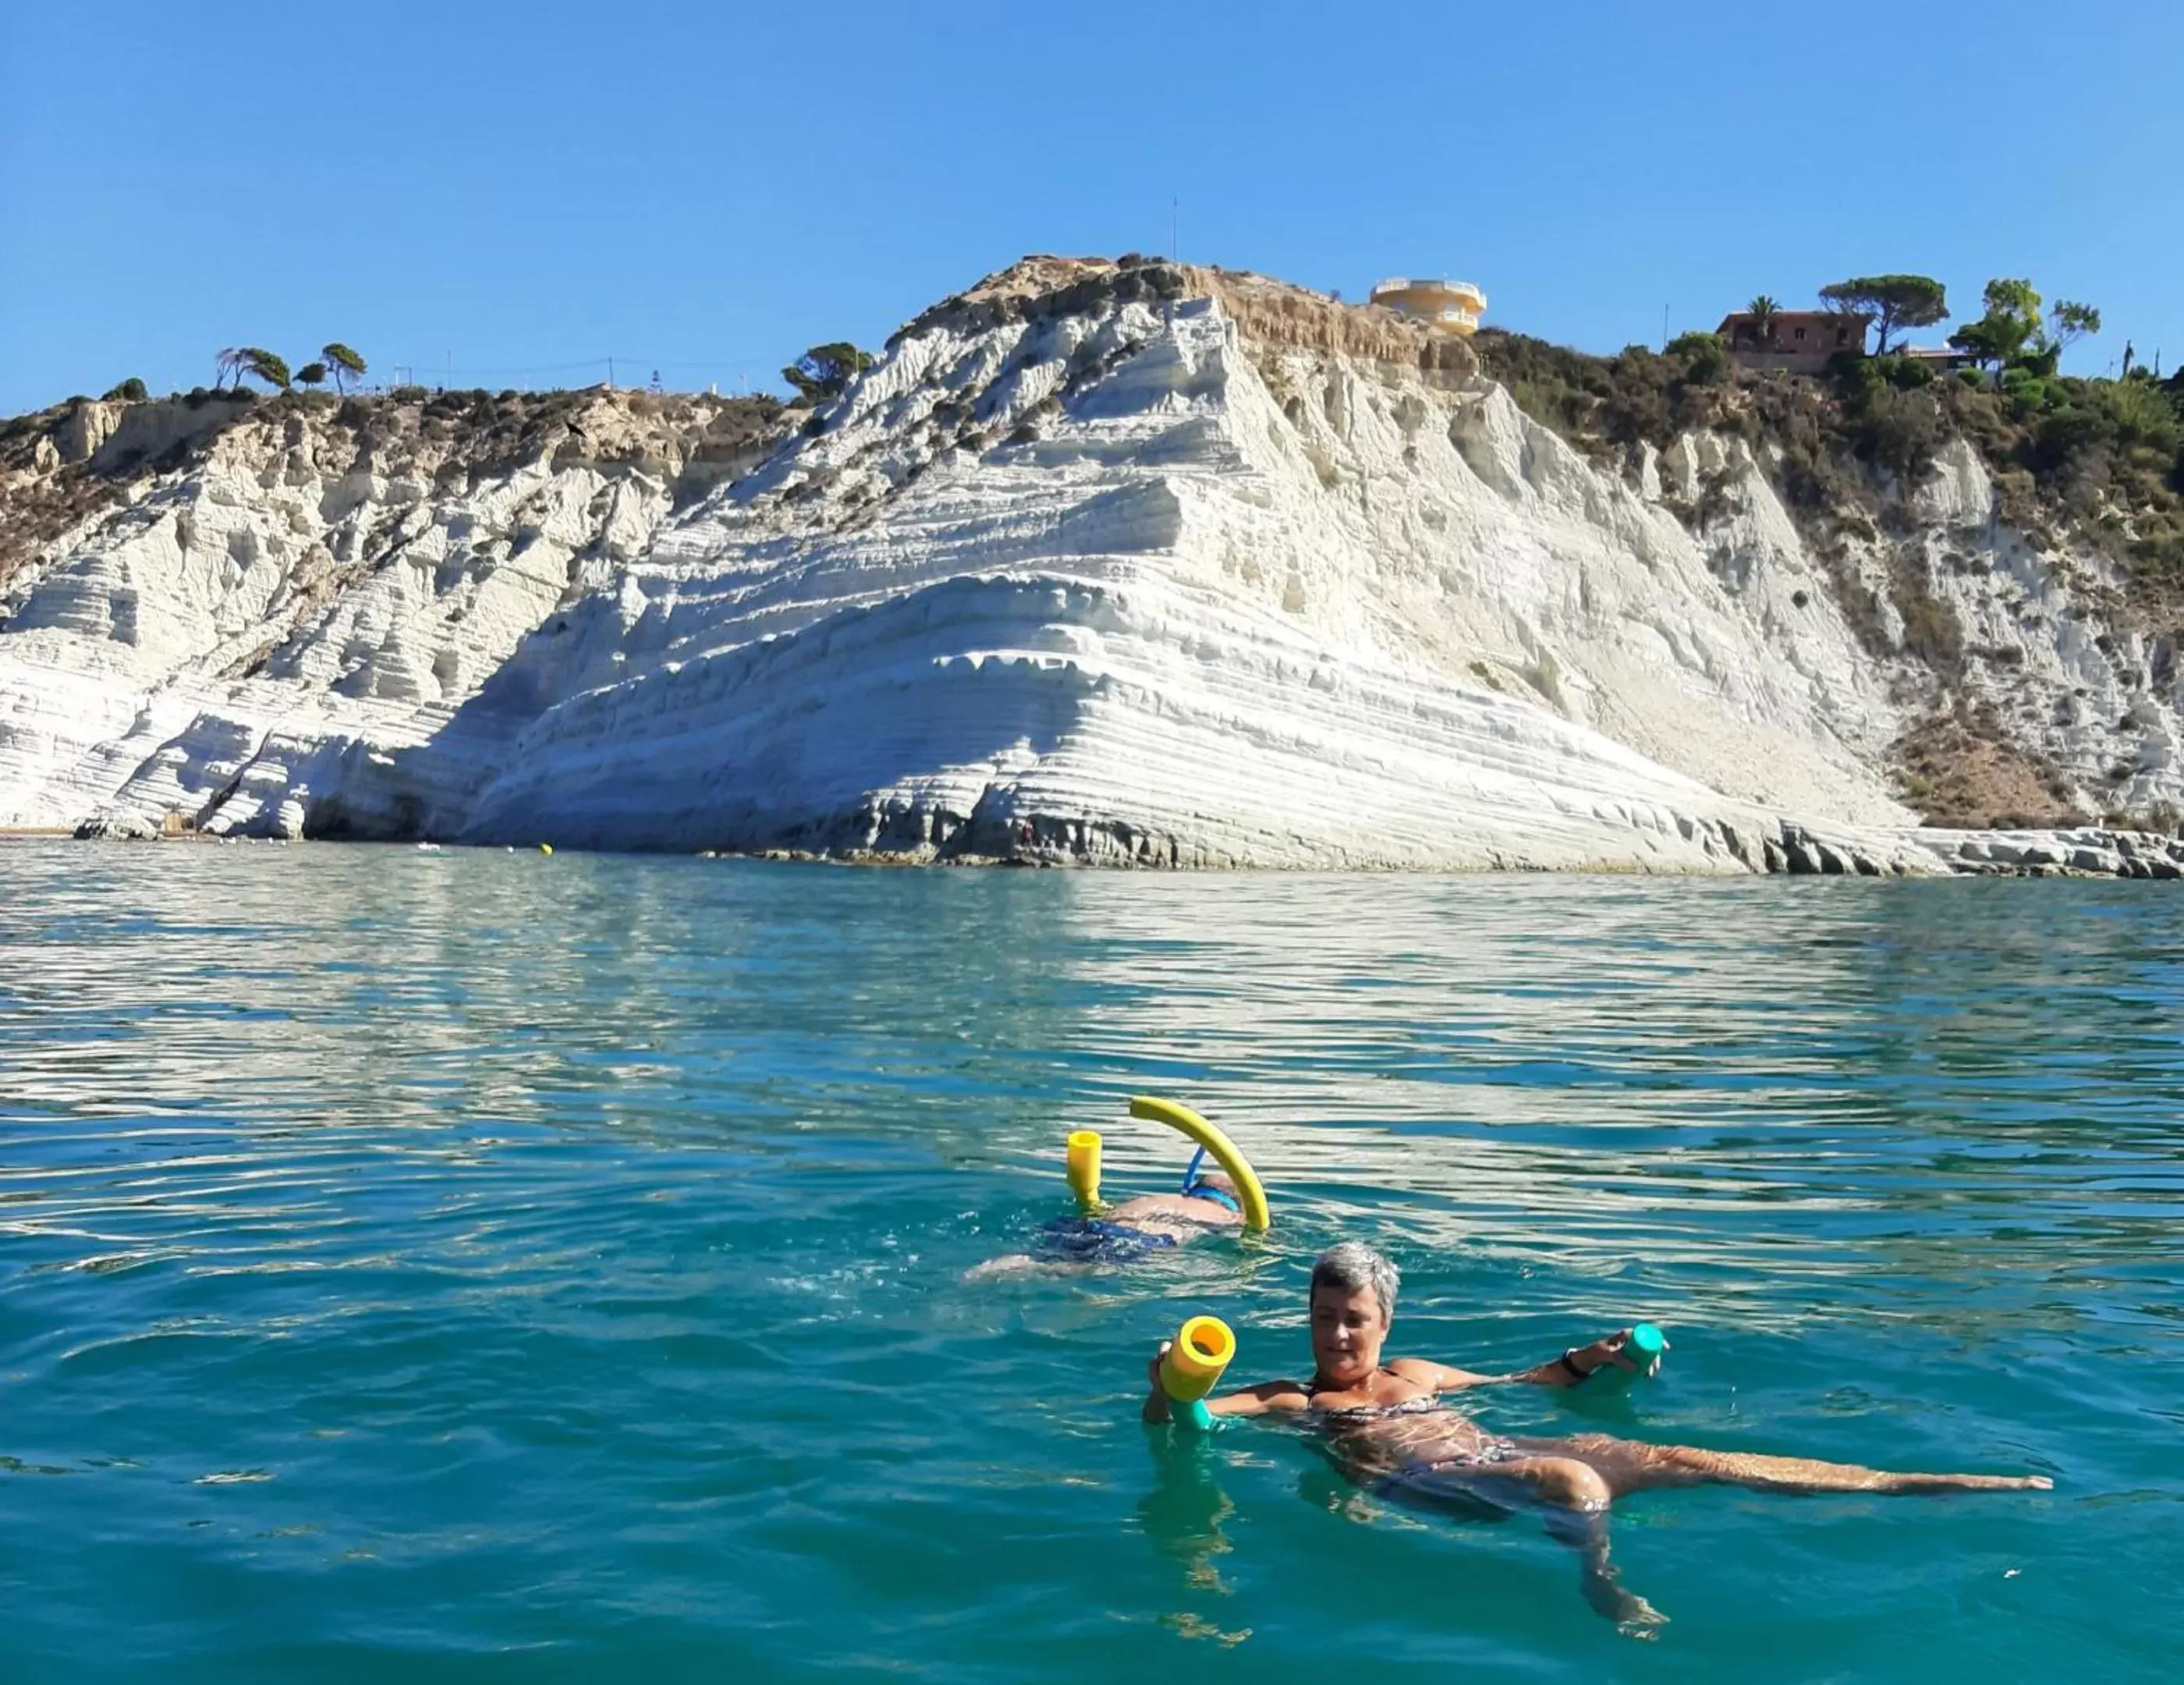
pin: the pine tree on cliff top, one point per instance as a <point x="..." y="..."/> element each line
<point x="344" y="363"/>
<point x="1894" y="302"/>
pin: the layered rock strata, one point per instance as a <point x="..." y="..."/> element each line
<point x="1129" y="564"/>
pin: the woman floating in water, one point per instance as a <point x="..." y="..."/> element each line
<point x="1385" y="1427"/>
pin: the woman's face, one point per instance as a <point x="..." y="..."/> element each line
<point x="1347" y="1333"/>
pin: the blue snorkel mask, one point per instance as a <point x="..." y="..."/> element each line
<point x="1195" y="1189"/>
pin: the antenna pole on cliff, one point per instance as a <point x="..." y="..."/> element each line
<point x="610" y="374"/>
<point x="1664" y="327"/>
<point x="1174" y="222"/>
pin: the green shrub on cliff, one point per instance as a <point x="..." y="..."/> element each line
<point x="2143" y="415"/>
<point x="1705" y="357"/>
<point x="2104" y="456"/>
<point x="1638" y="396"/>
<point x="1900" y="431"/>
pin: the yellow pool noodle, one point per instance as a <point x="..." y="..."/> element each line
<point x="1084" y="1167"/>
<point x="1191" y="1366"/>
<point x="1187" y="1123"/>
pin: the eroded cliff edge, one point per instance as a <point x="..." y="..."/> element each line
<point x="1116" y="562"/>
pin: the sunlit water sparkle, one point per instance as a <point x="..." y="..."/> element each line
<point x="489" y="1267"/>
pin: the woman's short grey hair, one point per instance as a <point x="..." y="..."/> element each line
<point x="1353" y="1267"/>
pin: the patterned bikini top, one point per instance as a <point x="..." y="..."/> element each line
<point x="1367" y="1413"/>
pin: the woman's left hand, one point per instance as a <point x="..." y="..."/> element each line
<point x="1603" y="1352"/>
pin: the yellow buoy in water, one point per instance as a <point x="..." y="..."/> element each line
<point x="545" y="848"/>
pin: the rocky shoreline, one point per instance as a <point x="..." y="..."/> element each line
<point x="2090" y="852"/>
<point x="1794" y="852"/>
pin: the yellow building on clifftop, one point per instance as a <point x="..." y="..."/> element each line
<point x="1454" y="305"/>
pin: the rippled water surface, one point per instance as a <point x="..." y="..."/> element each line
<point x="488" y="1267"/>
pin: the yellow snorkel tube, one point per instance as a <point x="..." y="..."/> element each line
<point x="1084" y="1159"/>
<point x="1185" y="1121"/>
<point x="1084" y="1168"/>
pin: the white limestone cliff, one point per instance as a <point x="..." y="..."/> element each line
<point x="1129" y="564"/>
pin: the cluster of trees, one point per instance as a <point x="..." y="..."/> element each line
<point x="2058" y="428"/>
<point x="2070" y="433"/>
<point x="2012" y="332"/>
<point x="335" y="361"/>
<point x="821" y="373"/>
<point x="2106" y="453"/>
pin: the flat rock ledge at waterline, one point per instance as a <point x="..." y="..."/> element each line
<point x="1131" y="564"/>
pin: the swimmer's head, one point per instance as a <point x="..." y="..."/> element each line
<point x="1353" y="1300"/>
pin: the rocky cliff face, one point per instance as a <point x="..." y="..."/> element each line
<point x="253" y="612"/>
<point x="1130" y="563"/>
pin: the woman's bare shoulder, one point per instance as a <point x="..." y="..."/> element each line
<point x="1438" y="1377"/>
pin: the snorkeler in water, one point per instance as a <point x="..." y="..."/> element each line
<point x="1385" y="1427"/>
<point x="1102" y="1235"/>
<point x="1128" y="1232"/>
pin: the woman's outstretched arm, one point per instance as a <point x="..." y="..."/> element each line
<point x="1268" y="1396"/>
<point x="1577" y="1364"/>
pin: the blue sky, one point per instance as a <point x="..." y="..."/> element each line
<point x="710" y="188"/>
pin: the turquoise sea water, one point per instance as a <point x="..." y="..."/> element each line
<point x="477" y="1266"/>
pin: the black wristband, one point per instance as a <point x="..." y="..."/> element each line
<point x="1577" y="1373"/>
